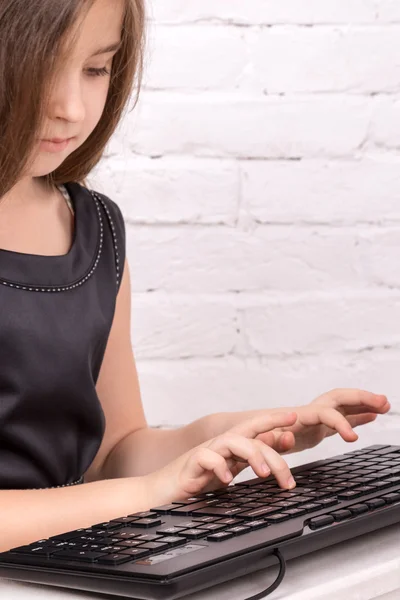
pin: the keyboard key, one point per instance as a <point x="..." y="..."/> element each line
<point x="108" y="549"/>
<point x="130" y="543"/>
<point x="381" y="485"/>
<point x="70" y="535"/>
<point x="81" y="555"/>
<point x="97" y="547"/>
<point x="239" y="530"/>
<point x="278" y="518"/>
<point x="148" y="514"/>
<point x="230" y="521"/>
<point x="311" y="507"/>
<point x="358" y="509"/>
<point x="166" y="509"/>
<point x="194" y="534"/>
<point x="192" y="500"/>
<point x="134" y="553"/>
<point x="206" y="519"/>
<point x="260" y="524"/>
<point x="191" y="508"/>
<point x="259" y="512"/>
<point x="155" y="546"/>
<point x="213" y="527"/>
<point x="125" y="521"/>
<point x="364" y="489"/>
<point x="170" y="530"/>
<point x="285" y="504"/>
<point x="221" y="536"/>
<point x="375" y="503"/>
<point x="391" y="498"/>
<point x="317" y="495"/>
<point x="35" y="550"/>
<point x="326" y="502"/>
<point x="222" y="512"/>
<point x="125" y="535"/>
<point x="348" y="495"/>
<point x="147" y="522"/>
<point x="394" y="480"/>
<point x="382" y="451"/>
<point x="191" y="525"/>
<point x="116" y="559"/>
<point x="321" y="521"/>
<point x="295" y="512"/>
<point x="173" y="541"/>
<point x="340" y="515"/>
<point x="107" y="525"/>
<point x="148" y="537"/>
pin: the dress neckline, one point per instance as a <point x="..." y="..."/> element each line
<point x="71" y="202"/>
<point x="38" y="272"/>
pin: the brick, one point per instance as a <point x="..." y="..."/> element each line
<point x="220" y="259"/>
<point x="326" y="59"/>
<point x="179" y="326"/>
<point x="220" y="125"/>
<point x="384" y="131"/>
<point x="172" y="190"/>
<point x="311" y="324"/>
<point x="317" y="191"/>
<point x="194" y="58"/>
<point x="274" y="11"/>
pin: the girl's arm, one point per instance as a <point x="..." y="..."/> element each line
<point x="27" y="516"/>
<point x="130" y="448"/>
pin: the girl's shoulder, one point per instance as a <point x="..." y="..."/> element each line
<point x="111" y="217"/>
<point x="113" y="211"/>
<point x="110" y="207"/>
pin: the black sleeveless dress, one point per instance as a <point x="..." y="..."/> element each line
<point x="55" y="318"/>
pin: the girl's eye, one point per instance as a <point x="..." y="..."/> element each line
<point x="97" y="72"/>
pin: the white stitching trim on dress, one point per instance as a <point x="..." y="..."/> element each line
<point x="60" y="288"/>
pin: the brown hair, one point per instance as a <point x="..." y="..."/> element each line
<point x="32" y="43"/>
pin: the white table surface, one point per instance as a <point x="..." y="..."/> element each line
<point x="365" y="568"/>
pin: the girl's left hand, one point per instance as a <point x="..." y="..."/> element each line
<point x="337" y="411"/>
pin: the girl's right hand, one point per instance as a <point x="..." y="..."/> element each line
<point x="214" y="464"/>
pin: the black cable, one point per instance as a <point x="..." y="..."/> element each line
<point x="277" y="581"/>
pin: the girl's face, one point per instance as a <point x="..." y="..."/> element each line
<point x="81" y="87"/>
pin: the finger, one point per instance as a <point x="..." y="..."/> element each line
<point x="205" y="459"/>
<point x="353" y="397"/>
<point x="279" y="467"/>
<point x="357" y="420"/>
<point x="233" y="446"/>
<point x="354" y="410"/>
<point x="287" y="442"/>
<point x="262" y="424"/>
<point x="278" y="440"/>
<point x="263" y="459"/>
<point x="336" y="421"/>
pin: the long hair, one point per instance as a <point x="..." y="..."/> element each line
<point x="33" y="35"/>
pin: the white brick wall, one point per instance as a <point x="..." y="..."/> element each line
<point x="260" y="181"/>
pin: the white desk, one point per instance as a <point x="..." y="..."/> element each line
<point x="365" y="568"/>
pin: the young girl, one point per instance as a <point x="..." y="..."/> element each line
<point x="75" y="448"/>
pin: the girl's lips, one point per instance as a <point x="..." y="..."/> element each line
<point x="54" y="146"/>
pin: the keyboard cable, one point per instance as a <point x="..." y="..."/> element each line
<point x="277" y="581"/>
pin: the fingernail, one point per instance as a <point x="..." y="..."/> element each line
<point x="228" y="476"/>
<point x="265" y="469"/>
<point x="291" y="483"/>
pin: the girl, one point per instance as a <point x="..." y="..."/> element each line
<point x="74" y="444"/>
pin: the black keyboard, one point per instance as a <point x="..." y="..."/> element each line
<point x="173" y="550"/>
